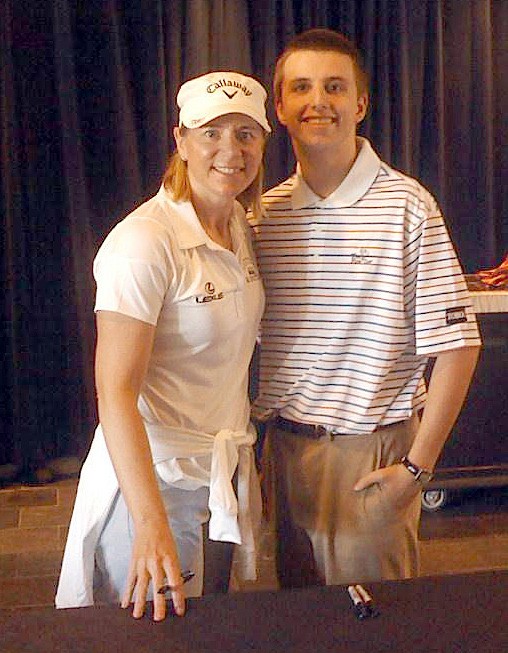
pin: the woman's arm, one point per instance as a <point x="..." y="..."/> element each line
<point x="124" y="346"/>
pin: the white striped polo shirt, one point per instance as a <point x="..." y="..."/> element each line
<point x="361" y="288"/>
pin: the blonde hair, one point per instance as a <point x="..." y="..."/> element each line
<point x="176" y="180"/>
<point x="321" y="40"/>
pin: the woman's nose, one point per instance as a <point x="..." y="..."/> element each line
<point x="230" y="144"/>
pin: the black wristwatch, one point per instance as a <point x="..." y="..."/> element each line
<point x="421" y="475"/>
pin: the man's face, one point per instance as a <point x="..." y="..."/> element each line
<point x="319" y="104"/>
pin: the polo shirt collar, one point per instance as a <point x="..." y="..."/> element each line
<point x="189" y="232"/>
<point x="353" y="187"/>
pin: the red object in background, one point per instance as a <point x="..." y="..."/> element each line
<point x="496" y="277"/>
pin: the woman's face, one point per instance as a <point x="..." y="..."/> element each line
<point x="223" y="156"/>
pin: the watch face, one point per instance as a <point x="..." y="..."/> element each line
<point x="426" y="477"/>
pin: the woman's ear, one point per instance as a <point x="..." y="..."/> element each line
<point x="180" y="143"/>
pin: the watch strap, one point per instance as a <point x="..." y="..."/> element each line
<point x="421" y="475"/>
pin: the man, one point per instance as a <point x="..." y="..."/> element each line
<point x="363" y="286"/>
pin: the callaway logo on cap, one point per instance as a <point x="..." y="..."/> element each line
<point x="215" y="94"/>
<point x="222" y="83"/>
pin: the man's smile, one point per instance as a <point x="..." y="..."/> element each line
<point x="319" y="120"/>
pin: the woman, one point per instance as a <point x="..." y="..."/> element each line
<point x="178" y="305"/>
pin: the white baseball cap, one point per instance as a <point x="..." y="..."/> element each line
<point x="215" y="94"/>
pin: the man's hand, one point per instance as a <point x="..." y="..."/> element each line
<point x="397" y="485"/>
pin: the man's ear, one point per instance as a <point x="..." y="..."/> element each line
<point x="280" y="112"/>
<point x="362" y="106"/>
<point x="180" y="143"/>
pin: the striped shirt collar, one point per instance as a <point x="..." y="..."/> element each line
<point x="357" y="182"/>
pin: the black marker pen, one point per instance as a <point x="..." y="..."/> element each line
<point x="360" y="608"/>
<point x="367" y="600"/>
<point x="186" y="577"/>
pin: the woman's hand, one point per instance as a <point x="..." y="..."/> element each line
<point x="154" y="558"/>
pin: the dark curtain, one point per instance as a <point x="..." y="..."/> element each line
<point x="439" y="100"/>
<point x="86" y="114"/>
<point x="87" y="108"/>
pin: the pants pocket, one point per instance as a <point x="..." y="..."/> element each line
<point x="378" y="509"/>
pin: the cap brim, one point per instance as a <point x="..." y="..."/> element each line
<point x="223" y="110"/>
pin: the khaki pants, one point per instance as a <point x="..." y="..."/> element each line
<point x="327" y="533"/>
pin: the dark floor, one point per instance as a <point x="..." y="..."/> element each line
<point x="468" y="534"/>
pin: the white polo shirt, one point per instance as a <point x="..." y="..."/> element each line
<point x="158" y="265"/>
<point x="361" y="288"/>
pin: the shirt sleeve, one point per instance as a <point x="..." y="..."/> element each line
<point x="131" y="271"/>
<point x="436" y="293"/>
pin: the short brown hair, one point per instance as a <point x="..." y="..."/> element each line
<point x="321" y="40"/>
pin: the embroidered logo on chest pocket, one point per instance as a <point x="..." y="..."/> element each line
<point x="361" y="257"/>
<point x="210" y="296"/>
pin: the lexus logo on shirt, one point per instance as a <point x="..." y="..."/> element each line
<point x="210" y="295"/>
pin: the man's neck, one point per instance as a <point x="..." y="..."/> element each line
<point x="325" y="170"/>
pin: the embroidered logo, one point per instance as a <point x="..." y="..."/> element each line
<point x="361" y="257"/>
<point x="251" y="272"/>
<point x="225" y="83"/>
<point x="456" y="315"/>
<point x="210" y="296"/>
